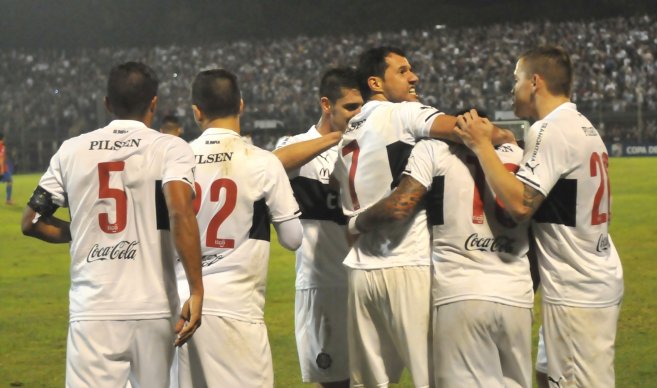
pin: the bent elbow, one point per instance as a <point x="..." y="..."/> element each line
<point x="521" y="213"/>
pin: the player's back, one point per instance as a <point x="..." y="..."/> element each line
<point x="567" y="158"/>
<point x="121" y="254"/>
<point x="238" y="193"/>
<point x="479" y="252"/>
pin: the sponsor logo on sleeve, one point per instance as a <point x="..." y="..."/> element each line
<point x="124" y="250"/>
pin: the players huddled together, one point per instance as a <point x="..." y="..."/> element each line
<point x="413" y="231"/>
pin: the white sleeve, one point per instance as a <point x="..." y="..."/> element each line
<point x="290" y="233"/>
<point x="53" y="182"/>
<point x="423" y="164"/>
<point x="509" y="154"/>
<point x="278" y="192"/>
<point x="545" y="158"/>
<point x="417" y="118"/>
<point x="179" y="161"/>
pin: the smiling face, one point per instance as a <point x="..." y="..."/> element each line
<point x="399" y="81"/>
<point x="346" y="107"/>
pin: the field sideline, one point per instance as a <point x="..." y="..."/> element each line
<point x="34" y="289"/>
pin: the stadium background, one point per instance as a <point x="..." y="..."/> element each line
<point x="54" y="57"/>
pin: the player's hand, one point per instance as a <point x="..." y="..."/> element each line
<point x="190" y="319"/>
<point x="474" y="130"/>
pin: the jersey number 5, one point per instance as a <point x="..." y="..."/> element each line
<point x="212" y="240"/>
<point x="118" y="195"/>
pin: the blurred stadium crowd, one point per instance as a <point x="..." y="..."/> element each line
<point x="50" y="95"/>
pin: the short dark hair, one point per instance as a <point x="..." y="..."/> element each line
<point x="131" y="87"/>
<point x="216" y="93"/>
<point x="170" y="123"/>
<point x="373" y="63"/>
<point x="334" y="80"/>
<point x="553" y="64"/>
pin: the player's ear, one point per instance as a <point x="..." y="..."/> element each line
<point x="198" y="115"/>
<point x="241" y="106"/>
<point x="153" y="104"/>
<point x="376" y="84"/>
<point x="325" y="104"/>
<point x="108" y="107"/>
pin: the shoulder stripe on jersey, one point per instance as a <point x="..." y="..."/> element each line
<point x="317" y="201"/>
<point x="431" y="115"/>
<point x="398" y="153"/>
<point x="560" y="206"/>
<point x="261" y="220"/>
<point x="161" y="211"/>
<point x="435" y="198"/>
<point x="531" y="182"/>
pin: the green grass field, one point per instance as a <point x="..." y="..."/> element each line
<point x="34" y="290"/>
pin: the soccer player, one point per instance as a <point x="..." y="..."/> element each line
<point x="321" y="281"/>
<point x="563" y="185"/>
<point x="171" y="126"/>
<point x="5" y="170"/>
<point x="388" y="271"/>
<point x="240" y="189"/>
<point x="129" y="190"/>
<point x="482" y="288"/>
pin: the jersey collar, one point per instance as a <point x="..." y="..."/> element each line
<point x="220" y="131"/>
<point x="566" y="105"/>
<point x="126" y="124"/>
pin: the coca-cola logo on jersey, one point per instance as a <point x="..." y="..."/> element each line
<point x="489" y="244"/>
<point x="124" y="250"/>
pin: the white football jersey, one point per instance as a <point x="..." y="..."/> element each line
<point x="240" y="190"/>
<point x="324" y="246"/>
<point x="371" y="157"/>
<point x="122" y="257"/>
<point x="566" y="161"/>
<point x="478" y="252"/>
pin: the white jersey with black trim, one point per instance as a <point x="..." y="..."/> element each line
<point x="566" y="160"/>
<point x="371" y="157"/>
<point x="478" y="252"/>
<point x="324" y="245"/>
<point x="240" y="190"/>
<point x="122" y="257"/>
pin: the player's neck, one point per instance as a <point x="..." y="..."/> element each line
<point x="323" y="126"/>
<point x="230" y="122"/>
<point x="548" y="103"/>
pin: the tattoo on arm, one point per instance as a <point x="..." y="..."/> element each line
<point x="397" y="207"/>
<point x="532" y="198"/>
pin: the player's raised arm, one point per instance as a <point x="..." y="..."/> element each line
<point x="185" y="233"/>
<point x="520" y="200"/>
<point x="443" y="127"/>
<point x="297" y="154"/>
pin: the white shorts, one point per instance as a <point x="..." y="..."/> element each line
<point x="108" y="353"/>
<point x="579" y="344"/>
<point x="320" y="322"/>
<point x="226" y="352"/>
<point x="479" y="343"/>
<point x="388" y="325"/>
<point x="541" y="357"/>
